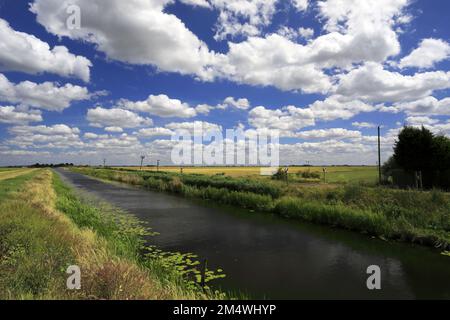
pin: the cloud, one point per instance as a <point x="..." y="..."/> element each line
<point x="306" y="33"/>
<point x="425" y="106"/>
<point x="339" y="107"/>
<point x="11" y="115"/>
<point x="293" y="34"/>
<point x="58" y="136"/>
<point x="166" y="107"/>
<point x="90" y="135"/>
<point x="197" y="3"/>
<point x="190" y="126"/>
<point x="135" y="31"/>
<point x="273" y="61"/>
<point x="287" y="119"/>
<point x="124" y="144"/>
<point x="301" y="5"/>
<point x="161" y="105"/>
<point x="230" y="102"/>
<point x="140" y="32"/>
<point x="334" y="133"/>
<point x="204" y="108"/>
<point x="429" y="52"/>
<point x="47" y="95"/>
<point x="420" y="121"/>
<point x="372" y="83"/>
<point x="23" y="52"/>
<point x="155" y="132"/>
<point x="364" y="125"/>
<point x="114" y="129"/>
<point x="355" y="16"/>
<point x="241" y="17"/>
<point x="357" y="31"/>
<point x="101" y="117"/>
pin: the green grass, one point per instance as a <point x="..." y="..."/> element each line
<point x="406" y="215"/>
<point x="32" y="253"/>
<point x="355" y="175"/>
<point x="124" y="235"/>
<point x="14" y="184"/>
<point x="45" y="227"/>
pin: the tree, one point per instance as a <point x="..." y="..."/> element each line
<point x="413" y="151"/>
<point x="419" y="150"/>
<point x="441" y="153"/>
<point x="389" y="166"/>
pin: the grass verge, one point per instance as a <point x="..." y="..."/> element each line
<point x="45" y="227"/>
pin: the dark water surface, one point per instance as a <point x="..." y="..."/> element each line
<point x="267" y="257"/>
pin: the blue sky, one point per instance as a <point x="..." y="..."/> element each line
<point x="322" y="73"/>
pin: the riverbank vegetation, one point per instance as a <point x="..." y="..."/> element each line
<point x="45" y="228"/>
<point x="405" y="215"/>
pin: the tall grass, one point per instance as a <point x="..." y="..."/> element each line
<point x="124" y="237"/>
<point x="337" y="215"/>
<point x="38" y="242"/>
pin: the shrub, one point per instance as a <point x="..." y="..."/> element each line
<point x="281" y="174"/>
<point x="309" y="175"/>
<point x="175" y="185"/>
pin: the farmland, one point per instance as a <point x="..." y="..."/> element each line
<point x="335" y="174"/>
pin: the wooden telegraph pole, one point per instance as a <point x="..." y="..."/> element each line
<point x="142" y="161"/>
<point x="379" y="154"/>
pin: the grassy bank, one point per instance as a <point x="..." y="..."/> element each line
<point x="410" y="216"/>
<point x="45" y="227"/>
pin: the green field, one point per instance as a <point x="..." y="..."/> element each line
<point x="335" y="174"/>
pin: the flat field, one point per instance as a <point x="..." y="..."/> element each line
<point x="6" y="174"/>
<point x="335" y="174"/>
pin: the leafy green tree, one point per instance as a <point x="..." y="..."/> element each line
<point x="419" y="150"/>
<point x="413" y="151"/>
<point x="441" y="153"/>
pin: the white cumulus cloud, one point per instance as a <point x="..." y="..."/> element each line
<point x="24" y="52"/>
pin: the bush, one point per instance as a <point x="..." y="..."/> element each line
<point x="281" y="174"/>
<point x="309" y="175"/>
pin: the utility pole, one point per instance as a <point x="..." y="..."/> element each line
<point x="104" y="163"/>
<point x="157" y="166"/>
<point x="379" y="154"/>
<point x="142" y="161"/>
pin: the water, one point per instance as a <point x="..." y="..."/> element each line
<point x="264" y="256"/>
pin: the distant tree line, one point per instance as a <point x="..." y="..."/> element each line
<point x="51" y="165"/>
<point x="421" y="159"/>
